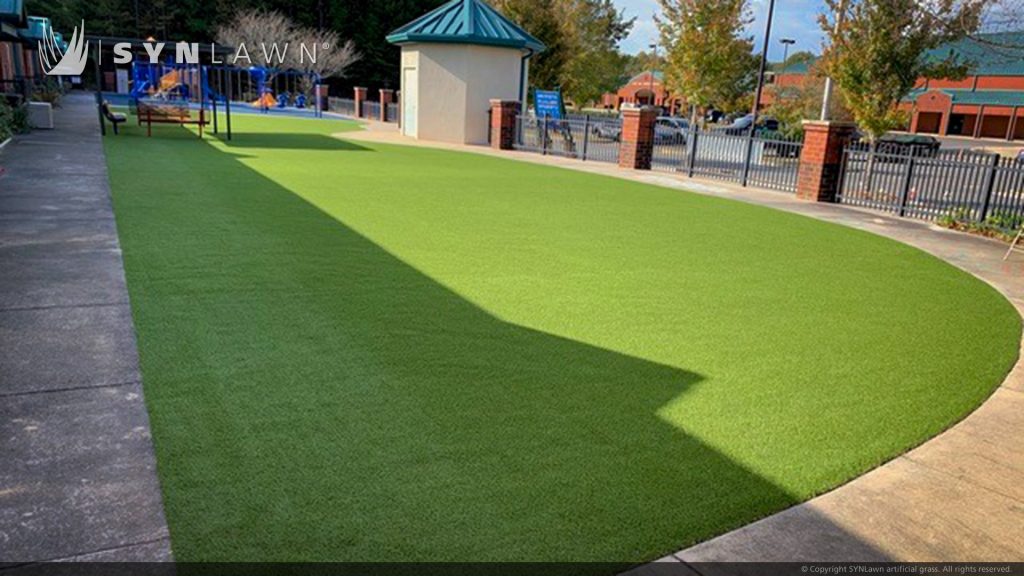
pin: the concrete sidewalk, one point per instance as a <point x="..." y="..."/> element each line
<point x="78" y="474"/>
<point x="958" y="497"/>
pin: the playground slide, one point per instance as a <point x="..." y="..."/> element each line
<point x="170" y="81"/>
<point x="266" y="101"/>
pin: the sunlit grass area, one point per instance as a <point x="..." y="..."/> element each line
<point x="362" y="352"/>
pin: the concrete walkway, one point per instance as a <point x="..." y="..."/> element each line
<point x="959" y="497"/>
<point x="77" y="470"/>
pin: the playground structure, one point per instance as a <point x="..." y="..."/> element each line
<point x="173" y="93"/>
<point x="274" y="88"/>
<point x="166" y="94"/>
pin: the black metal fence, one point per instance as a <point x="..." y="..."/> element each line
<point x="393" y="111"/>
<point x="929" y="185"/>
<point x="344" y="106"/>
<point x="766" y="161"/>
<point x="371" y="110"/>
<point x="581" y="138"/>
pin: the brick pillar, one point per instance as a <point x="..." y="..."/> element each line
<point x="637" y="144"/>
<point x="359" y="97"/>
<point x="821" y="160"/>
<point x="503" y="124"/>
<point x="324" y="97"/>
<point x="386" y="97"/>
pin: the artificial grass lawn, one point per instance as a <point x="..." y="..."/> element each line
<point x="367" y="352"/>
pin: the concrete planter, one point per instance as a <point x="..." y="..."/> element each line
<point x="40" y="115"/>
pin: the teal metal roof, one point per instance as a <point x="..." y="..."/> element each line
<point x="658" y="76"/>
<point x="13" y="12"/>
<point x="1000" y="54"/>
<point x="801" y="67"/>
<point x="466" y="22"/>
<point x="977" y="97"/>
<point x="37" y="29"/>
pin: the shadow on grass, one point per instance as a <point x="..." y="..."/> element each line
<point x="286" y="141"/>
<point x="315" y="398"/>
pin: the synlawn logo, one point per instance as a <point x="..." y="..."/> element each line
<point x="70" y="62"/>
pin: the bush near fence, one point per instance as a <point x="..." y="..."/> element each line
<point x="960" y="184"/>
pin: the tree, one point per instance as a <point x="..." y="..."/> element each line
<point x="642" y="62"/>
<point x="333" y="57"/>
<point x="793" y="104"/>
<point x="881" y="49"/>
<point x="709" y="59"/>
<point x="801" y="57"/>
<point x="582" y="39"/>
<point x="593" y="30"/>
<point x="290" y="46"/>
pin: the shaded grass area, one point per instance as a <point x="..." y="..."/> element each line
<point x="357" y="352"/>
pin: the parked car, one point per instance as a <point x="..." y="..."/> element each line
<point x="671" y="130"/>
<point x="741" y="126"/>
<point x="779" y="145"/>
<point x="915" y="145"/>
<point x="608" y="130"/>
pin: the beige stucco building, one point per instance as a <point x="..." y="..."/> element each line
<point x="455" y="60"/>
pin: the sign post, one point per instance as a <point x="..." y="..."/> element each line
<point x="548" y="104"/>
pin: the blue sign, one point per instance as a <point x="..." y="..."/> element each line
<point x="548" y="103"/>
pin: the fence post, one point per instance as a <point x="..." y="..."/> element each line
<point x="636" y="148"/>
<point x="359" y="95"/>
<point x="544" y="137"/>
<point x="692" y="160"/>
<point x="748" y="157"/>
<point x="908" y="179"/>
<point x="818" y="179"/>
<point x="586" y="136"/>
<point x="386" y="97"/>
<point x="990" y="184"/>
<point x="503" y="124"/>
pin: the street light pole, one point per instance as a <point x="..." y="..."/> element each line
<point x="826" y="100"/>
<point x="786" y="43"/>
<point x="760" y="88"/>
<point x="764" y="63"/>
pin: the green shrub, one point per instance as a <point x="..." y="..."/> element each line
<point x="999" y="224"/>
<point x="50" y="92"/>
<point x="13" y="120"/>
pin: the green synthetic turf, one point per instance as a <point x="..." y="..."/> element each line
<point x="367" y="352"/>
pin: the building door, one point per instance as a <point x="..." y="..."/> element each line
<point x="929" y="122"/>
<point x="410" y="100"/>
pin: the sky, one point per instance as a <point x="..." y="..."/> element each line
<point x="795" y="19"/>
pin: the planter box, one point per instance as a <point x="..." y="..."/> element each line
<point x="40" y="115"/>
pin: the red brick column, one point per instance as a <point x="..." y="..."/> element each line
<point x="637" y="144"/>
<point x="821" y="160"/>
<point x="503" y="124"/>
<point x="324" y="98"/>
<point x="359" y="97"/>
<point x="386" y="97"/>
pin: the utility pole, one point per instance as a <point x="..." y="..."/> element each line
<point x="826" y="100"/>
<point x="654" y="68"/>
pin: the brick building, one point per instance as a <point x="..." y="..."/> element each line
<point x="644" y="89"/>
<point x="12" y="47"/>
<point x="988" y="103"/>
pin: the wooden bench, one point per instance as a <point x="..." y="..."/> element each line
<point x="169" y="113"/>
